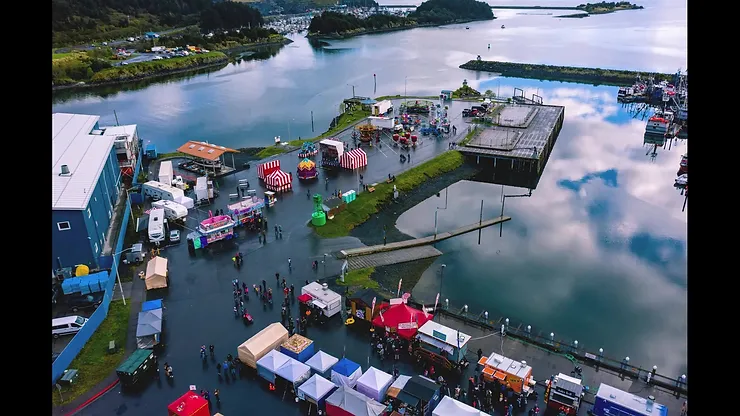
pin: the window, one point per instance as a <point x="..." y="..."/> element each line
<point x="89" y="214"/>
<point x="96" y="248"/>
<point x="63" y="226"/>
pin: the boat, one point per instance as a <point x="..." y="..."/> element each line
<point x="659" y="122"/>
<point x="682" y="181"/>
<point x="467" y="27"/>
<point x="503" y="27"/>
<point x="685" y="160"/>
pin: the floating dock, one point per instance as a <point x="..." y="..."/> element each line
<point x="519" y="141"/>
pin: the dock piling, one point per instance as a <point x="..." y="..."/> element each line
<point x="529" y="331"/>
<point x="552" y="337"/>
<point x="575" y="346"/>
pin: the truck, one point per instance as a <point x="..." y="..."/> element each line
<point x="157" y="190"/>
<point x="165" y="172"/>
<point x="135" y="254"/>
<point x="382" y="122"/>
<point x="382" y="107"/>
<point x="156" y="226"/>
<point x="203" y="189"/>
<point x="172" y="210"/>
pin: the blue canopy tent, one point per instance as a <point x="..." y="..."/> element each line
<point x="151" y="305"/>
<point x="346" y="373"/>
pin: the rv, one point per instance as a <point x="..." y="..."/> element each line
<point x="382" y="107"/>
<point x="156" y="226"/>
<point x="157" y="190"/>
<point x="165" y="172"/>
<point x="172" y="210"/>
<point x="382" y="122"/>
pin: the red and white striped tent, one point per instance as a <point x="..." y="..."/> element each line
<point x="279" y="181"/>
<point x="353" y="159"/>
<point x="264" y="170"/>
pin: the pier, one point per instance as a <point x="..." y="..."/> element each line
<point x="520" y="141"/>
<point x="381" y="248"/>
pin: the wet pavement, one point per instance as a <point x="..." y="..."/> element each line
<point x="199" y="302"/>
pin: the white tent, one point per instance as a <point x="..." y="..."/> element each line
<point x="374" y="383"/>
<point x="294" y="371"/>
<point x="315" y="389"/>
<point x="398" y="385"/>
<point x="256" y="347"/>
<point x="268" y="365"/>
<point x="156" y="273"/>
<point x="353" y="402"/>
<point x="451" y="407"/>
<point x="321" y="362"/>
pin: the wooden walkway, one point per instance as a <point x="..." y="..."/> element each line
<point x="386" y="258"/>
<point x="363" y="251"/>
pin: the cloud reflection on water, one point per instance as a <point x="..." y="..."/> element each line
<point x="598" y="253"/>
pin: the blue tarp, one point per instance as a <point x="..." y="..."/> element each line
<point x="105" y="262"/>
<point x="345" y="367"/>
<point x="151" y="305"/>
<point x="86" y="284"/>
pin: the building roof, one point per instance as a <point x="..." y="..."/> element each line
<point x="445" y="334"/>
<point x="84" y="151"/>
<point x="204" y="150"/>
<point x="630" y="401"/>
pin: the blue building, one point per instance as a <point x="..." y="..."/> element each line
<point x="85" y="186"/>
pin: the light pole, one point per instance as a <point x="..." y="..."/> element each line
<point x="353" y="89"/>
<point x="118" y="274"/>
<point x="441" y="277"/>
<point x="435" y="214"/>
<point x="404" y="85"/>
<point x="292" y="119"/>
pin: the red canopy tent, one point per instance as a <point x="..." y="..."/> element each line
<point x="279" y="181"/>
<point x="402" y="319"/>
<point x="190" y="404"/>
<point x="353" y="159"/>
<point x="305" y="298"/>
<point x="265" y="169"/>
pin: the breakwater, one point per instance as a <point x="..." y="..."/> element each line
<point x="596" y="76"/>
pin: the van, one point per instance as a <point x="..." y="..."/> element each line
<point x="69" y="325"/>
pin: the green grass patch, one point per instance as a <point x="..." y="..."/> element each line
<point x="361" y="278"/>
<point x="151" y="68"/>
<point x="468" y="137"/>
<point x="398" y="97"/>
<point x="368" y="203"/>
<point x="172" y="154"/>
<point x="345" y="120"/>
<point x="94" y="363"/>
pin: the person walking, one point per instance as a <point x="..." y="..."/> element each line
<point x="218" y="369"/>
<point x="290" y="264"/>
<point x="217" y="396"/>
<point x="212" y="350"/>
<point x="276" y="231"/>
<point x="277" y="279"/>
<point x="280" y="231"/>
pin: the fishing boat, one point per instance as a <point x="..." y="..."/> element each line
<point x="503" y="27"/>
<point x="684" y="167"/>
<point x="682" y="181"/>
<point x="659" y="122"/>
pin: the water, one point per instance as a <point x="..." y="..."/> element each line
<point x="249" y="103"/>
<point x="597" y="253"/>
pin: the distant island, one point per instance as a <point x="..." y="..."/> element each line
<point x="429" y="13"/>
<point x="596" y="76"/>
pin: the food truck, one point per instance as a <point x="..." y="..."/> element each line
<point x="216" y="228"/>
<point x="563" y="394"/>
<point x="247" y="211"/>
<point x="514" y="374"/>
<point x="450" y="343"/>
<point x="331" y="151"/>
<point x="328" y="301"/>
<point x="611" y="401"/>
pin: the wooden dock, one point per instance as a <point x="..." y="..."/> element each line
<point x="423" y="241"/>
<point x="386" y="258"/>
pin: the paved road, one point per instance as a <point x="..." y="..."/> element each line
<point x="199" y="301"/>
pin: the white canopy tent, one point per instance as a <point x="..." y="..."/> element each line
<point x="353" y="402"/>
<point x="321" y="362"/>
<point x="294" y="371"/>
<point x="315" y="389"/>
<point x="268" y="365"/>
<point x="451" y="407"/>
<point x="374" y="383"/>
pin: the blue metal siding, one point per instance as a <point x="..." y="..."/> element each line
<point x="71" y="247"/>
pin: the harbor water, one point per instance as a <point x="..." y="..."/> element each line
<point x="598" y="253"/>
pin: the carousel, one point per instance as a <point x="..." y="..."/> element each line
<point x="307" y="170"/>
<point x="405" y="140"/>
<point x="308" y="149"/>
<point x="367" y="133"/>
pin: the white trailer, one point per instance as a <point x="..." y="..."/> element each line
<point x="382" y="122"/>
<point x="203" y="189"/>
<point x="165" y="172"/>
<point x="157" y="190"/>
<point x="382" y="107"/>
<point x="156" y="226"/>
<point x="328" y="301"/>
<point x="172" y="210"/>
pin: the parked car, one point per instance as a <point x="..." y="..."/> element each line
<point x="466" y="112"/>
<point x="175" y="236"/>
<point x="83" y="302"/>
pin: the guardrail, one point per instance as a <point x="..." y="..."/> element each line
<point x="74" y="347"/>
<point x="571" y="348"/>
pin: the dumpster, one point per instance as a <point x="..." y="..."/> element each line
<point x="140" y="363"/>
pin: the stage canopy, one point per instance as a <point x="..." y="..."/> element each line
<point x="451" y="407"/>
<point x="402" y="319"/>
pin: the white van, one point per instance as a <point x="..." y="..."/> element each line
<point x="69" y="325"/>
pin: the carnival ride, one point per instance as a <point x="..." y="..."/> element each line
<point x="308" y="149"/>
<point x="307" y="170"/>
<point x="368" y="132"/>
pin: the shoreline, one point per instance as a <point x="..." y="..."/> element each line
<point x="595" y="76"/>
<point x="220" y="63"/>
<point x="390" y="29"/>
